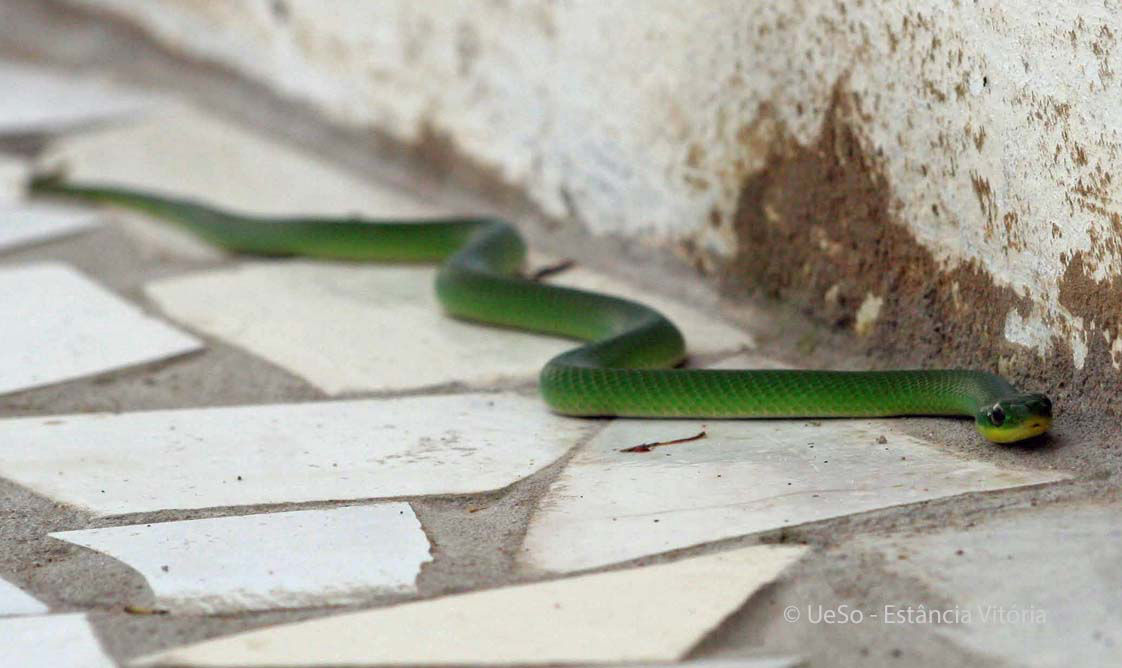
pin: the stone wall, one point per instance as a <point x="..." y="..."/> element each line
<point x="942" y="177"/>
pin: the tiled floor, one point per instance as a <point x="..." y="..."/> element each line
<point x="433" y="515"/>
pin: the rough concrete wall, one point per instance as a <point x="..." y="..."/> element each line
<point x="941" y="176"/>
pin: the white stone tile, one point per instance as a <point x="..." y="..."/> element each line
<point x="39" y="100"/>
<point x="58" y="326"/>
<point x="655" y="613"/>
<point x="34" y="223"/>
<point x="13" y="601"/>
<point x="189" y="153"/>
<point x="746" y="662"/>
<point x="745" y="476"/>
<point x="287" y="453"/>
<point x="14" y="174"/>
<point x="1041" y="587"/>
<point x="305" y="558"/>
<point x="352" y="328"/>
<point x="50" y="641"/>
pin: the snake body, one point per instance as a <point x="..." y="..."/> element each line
<point x="626" y="365"/>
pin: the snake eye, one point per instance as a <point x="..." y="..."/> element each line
<point x="997" y="416"/>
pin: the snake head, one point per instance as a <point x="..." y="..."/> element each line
<point x="1015" y="418"/>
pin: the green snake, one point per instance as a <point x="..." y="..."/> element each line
<point x="626" y="367"/>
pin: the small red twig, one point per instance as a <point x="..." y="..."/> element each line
<point x="647" y="447"/>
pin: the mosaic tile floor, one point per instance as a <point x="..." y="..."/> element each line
<point x="410" y="501"/>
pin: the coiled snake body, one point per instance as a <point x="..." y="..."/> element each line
<point x="625" y="368"/>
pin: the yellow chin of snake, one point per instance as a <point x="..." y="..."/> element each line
<point x="1033" y="426"/>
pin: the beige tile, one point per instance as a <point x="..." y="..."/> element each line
<point x="189" y="153"/>
<point x="141" y="462"/>
<point x="186" y="152"/>
<point x="38" y="100"/>
<point x="304" y="558"/>
<point x="50" y="641"/>
<point x="14" y="174"/>
<point x="50" y="308"/>
<point x="746" y="662"/>
<point x="13" y="601"/>
<point x="351" y="328"/>
<point x="35" y="223"/>
<point x="654" y="613"/>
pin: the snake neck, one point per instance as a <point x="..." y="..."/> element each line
<point x="580" y="389"/>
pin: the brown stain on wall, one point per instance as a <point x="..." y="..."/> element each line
<point x="1099" y="303"/>
<point x="986" y="201"/>
<point x="819" y="221"/>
